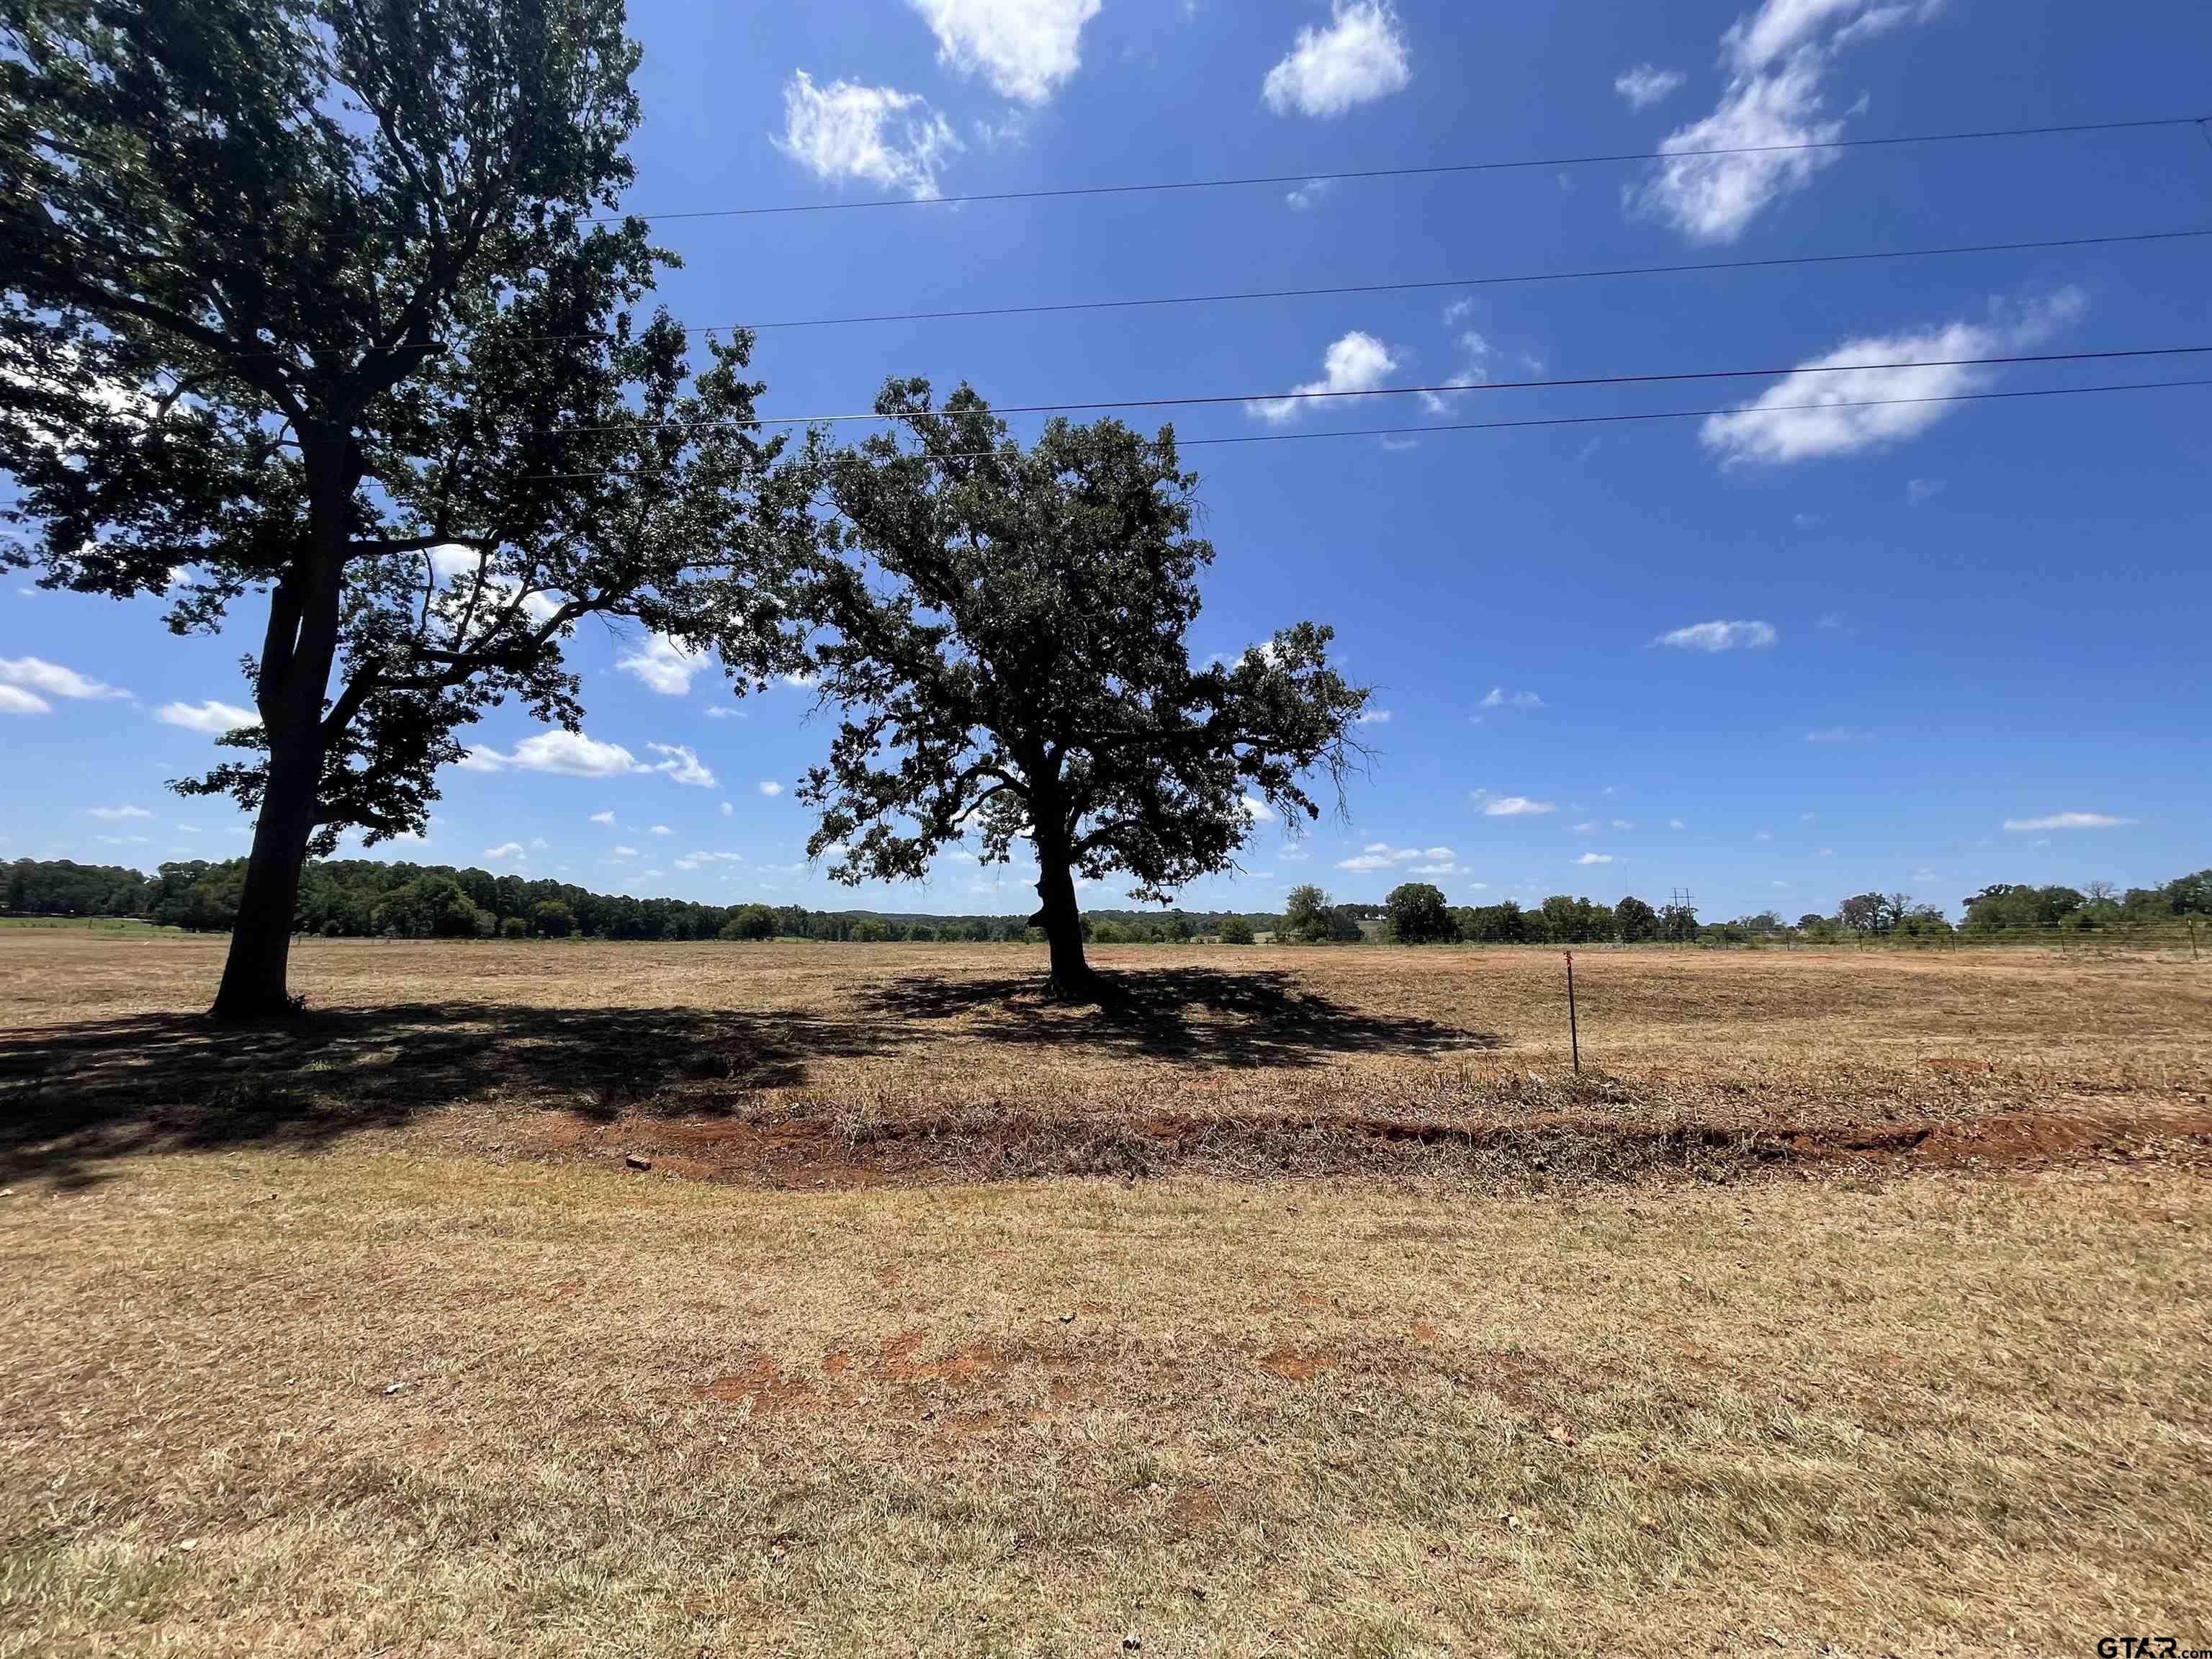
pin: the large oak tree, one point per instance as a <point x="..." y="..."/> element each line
<point x="328" y="303"/>
<point x="1006" y="628"/>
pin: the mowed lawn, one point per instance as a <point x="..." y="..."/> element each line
<point x="1847" y="1304"/>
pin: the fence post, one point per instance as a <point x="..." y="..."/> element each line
<point x="1574" y="1027"/>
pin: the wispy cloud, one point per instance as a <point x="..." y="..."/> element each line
<point x="34" y="674"/>
<point x="1832" y="407"/>
<point x="1644" y="85"/>
<point x="1716" y="636"/>
<point x="1778" y="59"/>
<point x="877" y="135"/>
<point x="215" y="718"/>
<point x="2068" y="821"/>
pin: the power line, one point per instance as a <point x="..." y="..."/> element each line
<point x="1448" y="388"/>
<point x="1580" y="420"/>
<point x="1521" y="278"/>
<point x="1422" y="285"/>
<point x="1428" y="170"/>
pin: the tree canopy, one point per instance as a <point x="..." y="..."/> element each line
<point x="327" y="302"/>
<point x="1418" y="915"/>
<point x="1005" y="630"/>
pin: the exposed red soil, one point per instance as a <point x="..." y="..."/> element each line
<point x="1558" y="1145"/>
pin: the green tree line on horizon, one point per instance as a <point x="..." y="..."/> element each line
<point x="372" y="898"/>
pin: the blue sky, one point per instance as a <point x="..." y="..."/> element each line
<point x="1775" y="658"/>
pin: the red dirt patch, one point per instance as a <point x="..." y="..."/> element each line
<point x="1605" y="1141"/>
<point x="1424" y="1333"/>
<point x="762" y="1385"/>
<point x="1295" y="1365"/>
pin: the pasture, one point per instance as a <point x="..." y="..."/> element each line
<point x="722" y="1299"/>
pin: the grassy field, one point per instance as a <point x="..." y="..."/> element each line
<point x="1297" y="1303"/>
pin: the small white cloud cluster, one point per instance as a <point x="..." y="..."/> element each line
<point x="1778" y="59"/>
<point x="1024" y="48"/>
<point x="1360" y="57"/>
<point x="877" y="135"/>
<point x="1380" y="855"/>
<point x="573" y="754"/>
<point x="1646" y="85"/>
<point x="1356" y="363"/>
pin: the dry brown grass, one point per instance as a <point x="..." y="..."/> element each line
<point x="804" y="1063"/>
<point x="332" y="1342"/>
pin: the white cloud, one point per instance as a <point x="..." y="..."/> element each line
<point x="2068" y="821"/>
<point x="1514" y="806"/>
<point x="1583" y="829"/>
<point x="661" y="829"/>
<point x="624" y="853"/>
<point x="1358" y="362"/>
<point x="1447" y="868"/>
<point x="1713" y="636"/>
<point x="1500" y="697"/>
<point x="1475" y="355"/>
<point x="1024" y="48"/>
<point x="505" y="850"/>
<point x="1778" y="59"/>
<point x="1673" y="823"/>
<point x="1763" y="835"/>
<point x="1360" y="57"/>
<point x="1645" y="85"/>
<point x="456" y="566"/>
<point x="1309" y="194"/>
<point x="1623" y="823"/>
<point x="606" y="817"/>
<point x="1374" y="717"/>
<point x="1258" y="811"/>
<point x="723" y="711"/>
<point x="119" y="812"/>
<point x="211" y="717"/>
<point x="1778" y="428"/>
<point x="727" y="809"/>
<point x="1836" y="734"/>
<point x="682" y="765"/>
<point x="664" y="665"/>
<point x="1594" y="858"/>
<point x="1380" y="855"/>
<point x="1917" y="490"/>
<point x="566" y="754"/>
<point x="14" y="700"/>
<point x="34" y="674"/>
<point x="881" y="136"/>
<point x="771" y="787"/>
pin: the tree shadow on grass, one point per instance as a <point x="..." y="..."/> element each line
<point x="75" y="1097"/>
<point x="1195" y="1016"/>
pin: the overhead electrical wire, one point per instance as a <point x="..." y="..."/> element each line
<point x="1583" y="419"/>
<point x="1430" y="169"/>
<point x="1448" y="388"/>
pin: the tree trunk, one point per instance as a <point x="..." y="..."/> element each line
<point x="294" y="675"/>
<point x="253" y="974"/>
<point x="1063" y="928"/>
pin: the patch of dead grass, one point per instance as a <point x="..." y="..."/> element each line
<point x="374" y="1403"/>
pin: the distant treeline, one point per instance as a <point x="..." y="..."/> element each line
<point x="360" y="898"/>
<point x="1417" y="914"/>
<point x="368" y="898"/>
